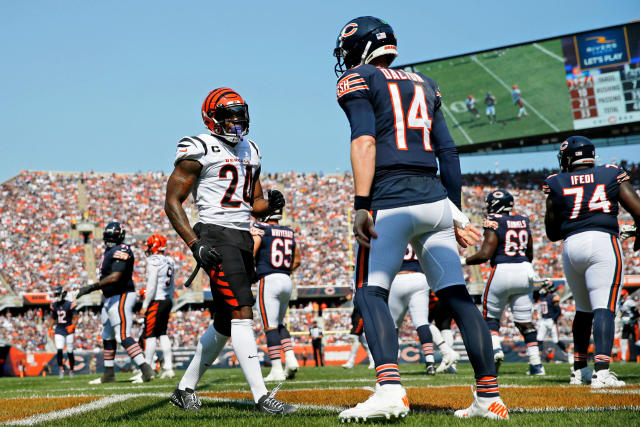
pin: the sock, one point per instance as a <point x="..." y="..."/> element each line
<point x="165" y="345"/>
<point x="355" y="344"/>
<point x="494" y="330"/>
<point x="109" y="347"/>
<point x="274" y="347"/>
<point x="150" y="349"/>
<point x="72" y="361"/>
<point x="243" y="341"/>
<point x="209" y="347"/>
<point x="474" y="330"/>
<point x="134" y="351"/>
<point x="287" y="345"/>
<point x="487" y="387"/>
<point x="60" y="359"/>
<point x="447" y="335"/>
<point x="581" y="329"/>
<point x="380" y="331"/>
<point x="533" y="352"/>
<point x="603" y="330"/>
<point x="426" y="340"/>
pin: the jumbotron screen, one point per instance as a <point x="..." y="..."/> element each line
<point x="575" y="82"/>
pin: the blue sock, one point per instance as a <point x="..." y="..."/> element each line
<point x="603" y="330"/>
<point x="380" y="331"/>
<point x="581" y="332"/>
<point x="424" y="334"/>
<point x="273" y="344"/>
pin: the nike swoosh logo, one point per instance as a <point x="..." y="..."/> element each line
<point x="251" y="357"/>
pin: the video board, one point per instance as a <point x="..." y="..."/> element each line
<point x="548" y="87"/>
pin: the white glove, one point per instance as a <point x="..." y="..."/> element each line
<point x="627" y="231"/>
<point x="463" y="260"/>
<point x="533" y="275"/>
<point x="459" y="219"/>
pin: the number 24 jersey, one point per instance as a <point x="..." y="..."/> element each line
<point x="587" y="199"/>
<point x="224" y="190"/>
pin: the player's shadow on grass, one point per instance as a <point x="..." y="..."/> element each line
<point x="138" y="412"/>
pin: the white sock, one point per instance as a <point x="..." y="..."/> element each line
<point x="437" y="336"/>
<point x="276" y="365"/>
<point x="496" y="343"/>
<point x="447" y="335"/>
<point x="244" y="345"/>
<point x="355" y="344"/>
<point x="429" y="358"/>
<point x="290" y="359"/>
<point x="150" y="349"/>
<point x="534" y="355"/>
<point x="209" y="347"/>
<point x="165" y="345"/>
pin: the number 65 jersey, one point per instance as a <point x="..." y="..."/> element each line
<point x="224" y="190"/>
<point x="513" y="235"/>
<point x="275" y="254"/>
<point x="587" y="199"/>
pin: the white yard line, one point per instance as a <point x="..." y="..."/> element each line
<point x="503" y="84"/>
<point x="446" y="110"/>
<point x="548" y="52"/>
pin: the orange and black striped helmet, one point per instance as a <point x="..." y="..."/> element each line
<point x="226" y="114"/>
<point x="155" y="243"/>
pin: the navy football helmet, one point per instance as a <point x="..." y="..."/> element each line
<point x="576" y="151"/>
<point x="499" y="201"/>
<point x="362" y="40"/>
<point x="113" y="234"/>
<point x="59" y="293"/>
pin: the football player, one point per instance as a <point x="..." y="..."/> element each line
<point x="116" y="284"/>
<point x="357" y="337"/>
<point x="398" y="137"/>
<point x="158" y="302"/>
<point x="440" y="318"/>
<point x="65" y="318"/>
<point x="549" y="310"/>
<point x="490" y="101"/>
<point x="516" y="97"/>
<point x="277" y="256"/>
<point x="222" y="171"/>
<point x="470" y="102"/>
<point x="582" y="210"/>
<point x="509" y="247"/>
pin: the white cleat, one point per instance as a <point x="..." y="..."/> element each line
<point x="448" y="359"/>
<point x="581" y="377"/>
<point x="71" y="374"/>
<point x="493" y="409"/>
<point x="348" y="365"/>
<point x="275" y="376"/>
<point x="605" y="378"/>
<point x="498" y="358"/>
<point x="61" y="374"/>
<point x="372" y="364"/>
<point x="290" y="371"/>
<point x="386" y="402"/>
<point x="137" y="378"/>
<point x="166" y="374"/>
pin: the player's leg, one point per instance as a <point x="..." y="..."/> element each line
<point x="109" y="344"/>
<point x="522" y="310"/>
<point x="269" y="307"/>
<point x="357" y="329"/>
<point x="59" y="340"/>
<point x="604" y="278"/>
<point x="419" y="313"/>
<point x="440" y="328"/>
<point x="488" y="113"/>
<point x="121" y="316"/>
<point x="72" y="360"/>
<point x="438" y="255"/>
<point x="290" y="361"/>
<point x="494" y="299"/>
<point x="151" y="339"/>
<point x="160" y="331"/>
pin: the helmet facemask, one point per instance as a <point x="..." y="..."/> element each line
<point x="231" y="122"/>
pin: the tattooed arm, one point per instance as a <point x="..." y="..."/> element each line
<point x="181" y="182"/>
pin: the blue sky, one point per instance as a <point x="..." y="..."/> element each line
<point x="112" y="86"/>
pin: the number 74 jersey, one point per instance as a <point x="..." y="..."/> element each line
<point x="513" y="234"/>
<point x="224" y="190"/>
<point x="587" y="199"/>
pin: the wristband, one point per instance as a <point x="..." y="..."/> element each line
<point x="362" y="202"/>
<point x="189" y="244"/>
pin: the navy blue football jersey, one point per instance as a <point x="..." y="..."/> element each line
<point x="63" y="315"/>
<point x="401" y="110"/>
<point x="275" y="254"/>
<point x="513" y="236"/>
<point x="548" y="309"/>
<point x="118" y="258"/>
<point x="410" y="261"/>
<point x="586" y="200"/>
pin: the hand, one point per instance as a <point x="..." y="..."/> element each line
<point x="276" y="200"/>
<point x="143" y="311"/>
<point x="206" y="256"/>
<point x="87" y="290"/>
<point x="363" y="228"/>
<point x="467" y="236"/>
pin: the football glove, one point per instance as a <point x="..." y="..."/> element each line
<point x="276" y="200"/>
<point x="627" y="231"/>
<point x="206" y="256"/>
<point x="87" y="290"/>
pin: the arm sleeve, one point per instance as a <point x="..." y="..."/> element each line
<point x="152" y="282"/>
<point x="447" y="154"/>
<point x="361" y="117"/>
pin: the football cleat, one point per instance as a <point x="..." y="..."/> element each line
<point x="372" y="364"/>
<point x="498" y="358"/>
<point x="167" y="373"/>
<point x="537" y="370"/>
<point x="269" y="404"/>
<point x="348" y="365"/>
<point x="71" y="374"/>
<point x="290" y="372"/>
<point x="108" y="376"/>
<point x="61" y="374"/>
<point x="581" y="376"/>
<point x="605" y="378"/>
<point x="431" y="368"/>
<point x="275" y="376"/>
<point x="452" y="369"/>
<point x="137" y="378"/>
<point x="448" y="360"/>
<point x="187" y="400"/>
<point x="385" y="403"/>
<point x="494" y="409"/>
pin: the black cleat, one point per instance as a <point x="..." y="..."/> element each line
<point x="108" y="376"/>
<point x="431" y="368"/>
<point x="186" y="400"/>
<point x="270" y="405"/>
<point x="147" y="372"/>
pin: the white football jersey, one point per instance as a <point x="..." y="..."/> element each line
<point x="224" y="190"/>
<point x="160" y="279"/>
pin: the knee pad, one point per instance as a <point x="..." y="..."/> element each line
<point x="493" y="324"/>
<point x="526" y="328"/>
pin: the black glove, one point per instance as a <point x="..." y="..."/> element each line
<point x="87" y="290"/>
<point x="206" y="256"/>
<point x="276" y="200"/>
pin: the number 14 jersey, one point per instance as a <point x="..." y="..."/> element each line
<point x="513" y="234"/>
<point x="224" y="190"/>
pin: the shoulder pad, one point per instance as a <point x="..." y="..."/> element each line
<point x="621" y="176"/>
<point x="352" y="84"/>
<point x="545" y="185"/>
<point x="255" y="147"/>
<point x="155" y="260"/>
<point x="190" y="148"/>
<point x="256" y="230"/>
<point x="490" y="222"/>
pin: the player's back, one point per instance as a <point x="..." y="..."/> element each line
<point x="513" y="233"/>
<point x="165" y="268"/>
<point x="118" y="254"/>
<point x="586" y="199"/>
<point x="277" y="247"/>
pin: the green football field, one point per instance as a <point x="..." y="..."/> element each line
<point x="537" y="69"/>
<point x="321" y="394"/>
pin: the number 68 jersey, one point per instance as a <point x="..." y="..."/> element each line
<point x="586" y="199"/>
<point x="513" y="235"/>
<point x="224" y="190"/>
